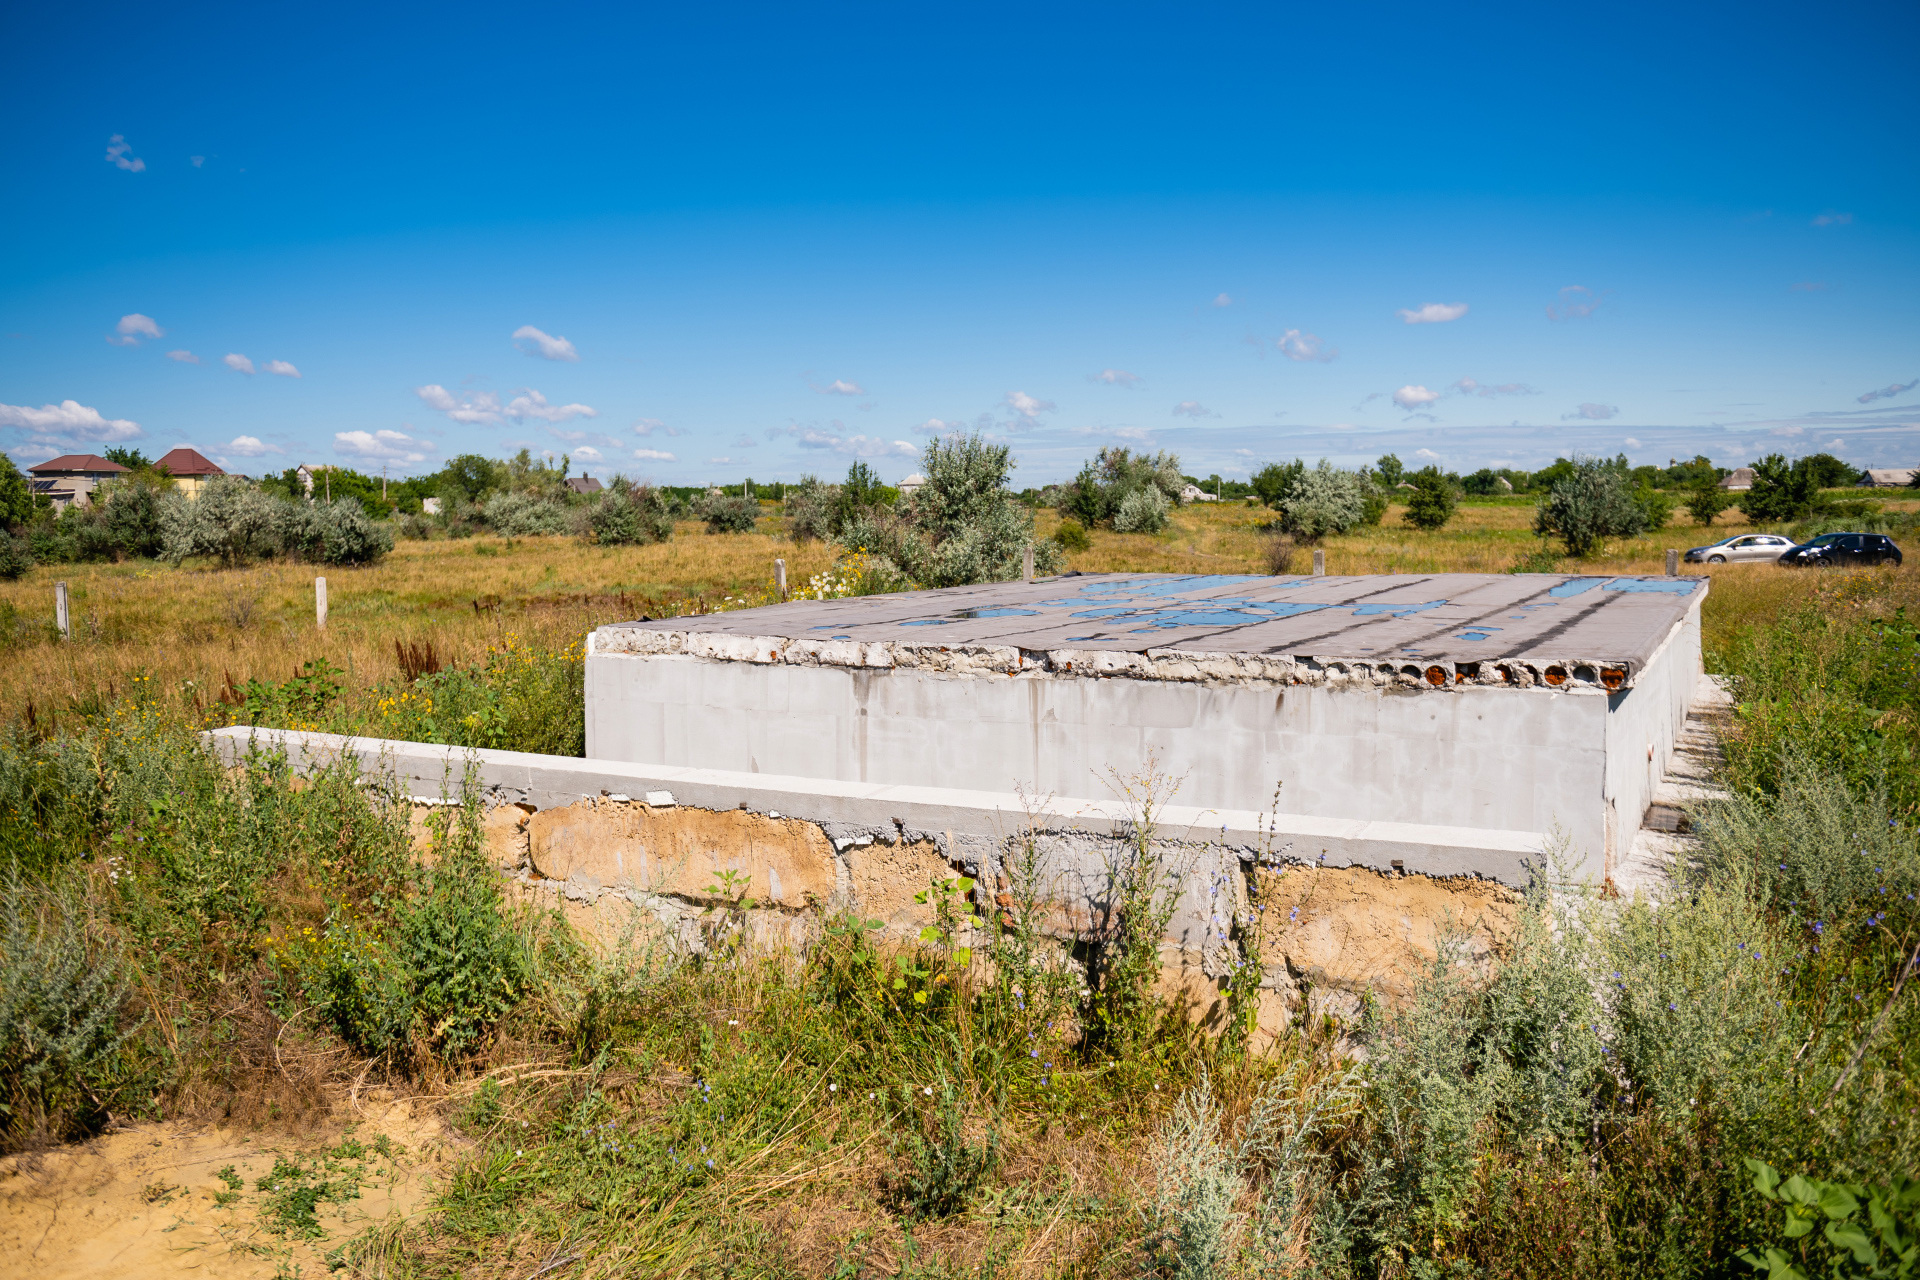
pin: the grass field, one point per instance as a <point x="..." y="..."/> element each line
<point x="192" y="630"/>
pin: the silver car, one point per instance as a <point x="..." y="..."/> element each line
<point x="1742" y="547"/>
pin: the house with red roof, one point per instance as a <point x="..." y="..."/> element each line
<point x="190" y="469"/>
<point x="70" y="479"/>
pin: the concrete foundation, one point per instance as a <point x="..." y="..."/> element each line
<point x="1453" y="724"/>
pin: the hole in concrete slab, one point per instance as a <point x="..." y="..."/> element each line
<point x="1466" y="671"/>
<point x="1436" y="675"/>
<point x="1586" y="675"/>
<point x="1556" y="676"/>
<point x="1410" y="671"/>
<point x="1613" y="678"/>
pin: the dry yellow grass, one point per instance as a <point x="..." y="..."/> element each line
<point x="193" y="628"/>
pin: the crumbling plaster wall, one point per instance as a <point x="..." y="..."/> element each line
<point x="1327" y="934"/>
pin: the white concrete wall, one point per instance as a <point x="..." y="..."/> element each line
<point x="1480" y="758"/>
<point x="1643" y="724"/>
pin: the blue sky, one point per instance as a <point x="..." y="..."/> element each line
<point x="693" y="243"/>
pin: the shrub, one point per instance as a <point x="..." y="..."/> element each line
<point x="1781" y="491"/>
<point x="944" y="1169"/>
<point x="810" y="510"/>
<point x="1656" y="507"/>
<point x="631" y="515"/>
<point x="1273" y="482"/>
<point x="1325" y="500"/>
<point x="1190" y="1224"/>
<point x="16" y="556"/>
<point x="16" y="496"/>
<point x="337" y="532"/>
<point x="523" y="515"/>
<point x="1706" y="500"/>
<point x="1113" y="477"/>
<point x="1432" y="502"/>
<point x="732" y="515"/>
<point x="1281" y="550"/>
<point x="1591" y="503"/>
<point x="1142" y="511"/>
<point x="230" y="521"/>
<point x="1072" y="536"/>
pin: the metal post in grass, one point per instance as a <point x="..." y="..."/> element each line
<point x="780" y="578"/>
<point x="1673" y="563"/>
<point x="60" y="611"/>
<point x="1319" y="562"/>
<point x="1026" y="563"/>
<point x="320" y="604"/>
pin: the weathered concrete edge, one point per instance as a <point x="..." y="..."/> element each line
<point x="436" y="773"/>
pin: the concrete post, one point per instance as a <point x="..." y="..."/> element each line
<point x="1319" y="562"/>
<point x="1026" y="563"/>
<point x="1673" y="563"/>
<point x="780" y="579"/>
<point x="320" y="604"/>
<point x="60" y="618"/>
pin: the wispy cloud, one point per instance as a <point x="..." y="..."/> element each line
<point x="1832" y="218"/>
<point x="851" y="444"/>
<point x="1193" y="409"/>
<point x="249" y="447"/>
<point x="1577" y="302"/>
<point x="587" y="453"/>
<point x="1433" y="313"/>
<point x="120" y="155"/>
<point x="1026" y="408"/>
<point x="1222" y="300"/>
<point x="1116" y="378"/>
<point x="380" y="446"/>
<point x="651" y="426"/>
<point x="744" y="441"/>
<point x="1469" y="387"/>
<point x="282" y="369"/>
<point x="484" y="408"/>
<point x="536" y="343"/>
<point x="67" y="425"/>
<point x="1297" y="344"/>
<point x="654" y="455"/>
<point x="1590" y="412"/>
<point x="1414" y="397"/>
<point x="183" y="357"/>
<point x="237" y="362"/>
<point x="133" y="328"/>
<point x="1887" y="392"/>
<point x="841" y="387"/>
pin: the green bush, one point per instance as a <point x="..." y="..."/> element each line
<point x="230" y="521"/>
<point x="1782" y="491"/>
<point x="16" y="556"/>
<point x="631" y="515"/>
<point x="732" y="515"/>
<point x="336" y="532"/>
<point x="1116" y="481"/>
<point x="1324" y="500"/>
<point x="519" y="514"/>
<point x="1592" y="502"/>
<point x="1857" y="1230"/>
<point x="1072" y="536"/>
<point x="1142" y="511"/>
<point x="1432" y="502"/>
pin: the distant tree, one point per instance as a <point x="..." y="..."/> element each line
<point x="1830" y="472"/>
<point x="1547" y="477"/>
<point x="1325" y="500"/>
<point x="1686" y="475"/>
<point x="472" y="476"/>
<point x="1273" y="482"/>
<point x="1391" y="470"/>
<point x="811" y="508"/>
<point x="1705" y="500"/>
<point x="1118" y="480"/>
<point x="629" y="514"/>
<point x="1782" y="491"/>
<point x="16" y="495"/>
<point x="131" y="459"/>
<point x="1482" y="483"/>
<point x="732" y="515"/>
<point x="861" y="492"/>
<point x="1592" y="501"/>
<point x="1432" y="502"/>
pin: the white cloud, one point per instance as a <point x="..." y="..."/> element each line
<point x="380" y="446"/>
<point x="1115" y="378"/>
<point x="853" y="446"/>
<point x="1222" y="300"/>
<point x="237" y="362"/>
<point x="117" y="154"/>
<point x="1832" y="218"/>
<point x="1138" y="435"/>
<point x="654" y="455"/>
<point x="722" y="461"/>
<point x="1577" y="302"/>
<point x="841" y="387"/>
<point x="484" y="408"/>
<point x="587" y="453"/>
<point x="647" y="426"/>
<point x="1193" y="409"/>
<point x="1433" y="313"/>
<point x="745" y="441"/>
<point x="934" y="426"/>
<point x="249" y="447"/>
<point x="67" y="425"/>
<point x="1414" y="397"/>
<point x="546" y="346"/>
<point x="1428" y="454"/>
<point x="1469" y="387"/>
<point x="1590" y="412"/>
<point x="1886" y="392"/>
<point x="1631" y="443"/>
<point x="282" y="369"/>
<point x="133" y="328"/>
<point x="1297" y="344"/>
<point x="1026" y="407"/>
<point x="531" y="404"/>
<point x="183" y="357"/>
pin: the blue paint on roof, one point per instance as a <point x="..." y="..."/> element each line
<point x="1477" y="633"/>
<point x="1655" y="586"/>
<point x="1397" y="610"/>
<point x="1579" y="586"/>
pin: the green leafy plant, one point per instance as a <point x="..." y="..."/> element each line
<point x="1838" y="1229"/>
<point x="1432" y="502"/>
<point x="944" y="1168"/>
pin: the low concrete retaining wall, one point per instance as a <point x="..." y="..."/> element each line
<point x="1344" y="904"/>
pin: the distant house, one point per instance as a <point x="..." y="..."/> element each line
<point x="190" y="470"/>
<point x="69" y="479"/>
<point x="1898" y="478"/>
<point x="1194" y="493"/>
<point x="1503" y="484"/>
<point x="1739" y="481"/>
<point x="911" y="485"/>
<point x="584" y="484"/>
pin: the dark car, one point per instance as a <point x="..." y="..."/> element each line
<point x="1837" y="550"/>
